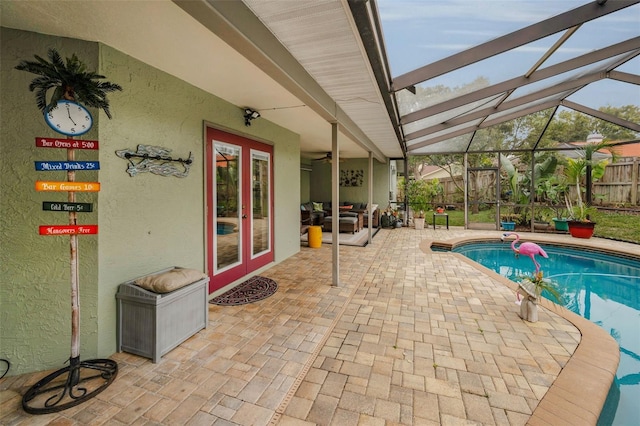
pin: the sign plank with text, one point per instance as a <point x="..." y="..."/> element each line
<point x="68" y="229"/>
<point x="68" y="186"/>
<point x="65" y="143"/>
<point x="67" y="165"/>
<point x="53" y="206"/>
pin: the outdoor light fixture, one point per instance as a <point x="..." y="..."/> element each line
<point x="250" y="114"/>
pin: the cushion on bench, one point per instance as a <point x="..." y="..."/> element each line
<point x="169" y="281"/>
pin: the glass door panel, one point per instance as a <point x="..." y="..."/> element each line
<point x="260" y="204"/>
<point x="228" y="235"/>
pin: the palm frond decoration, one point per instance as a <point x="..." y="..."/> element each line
<point x="69" y="80"/>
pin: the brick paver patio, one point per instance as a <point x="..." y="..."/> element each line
<point x="410" y="337"/>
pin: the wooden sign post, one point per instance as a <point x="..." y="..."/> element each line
<point x="72" y="229"/>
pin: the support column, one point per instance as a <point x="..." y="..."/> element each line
<point x="532" y="190"/>
<point x="634" y="182"/>
<point x="370" y="199"/>
<point x="335" y="204"/>
<point x="466" y="191"/>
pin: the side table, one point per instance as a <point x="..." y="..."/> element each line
<point x="446" y="215"/>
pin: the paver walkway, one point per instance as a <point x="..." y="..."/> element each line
<point x="409" y="338"/>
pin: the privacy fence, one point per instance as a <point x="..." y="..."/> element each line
<point x="619" y="186"/>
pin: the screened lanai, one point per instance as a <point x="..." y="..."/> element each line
<point x="580" y="56"/>
<point x="500" y="79"/>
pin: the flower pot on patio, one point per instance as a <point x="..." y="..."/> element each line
<point x="508" y="226"/>
<point x="579" y="229"/>
<point x="418" y="223"/>
<point x="561" y="224"/>
<point x="540" y="225"/>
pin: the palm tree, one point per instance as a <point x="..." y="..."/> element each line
<point x="70" y="81"/>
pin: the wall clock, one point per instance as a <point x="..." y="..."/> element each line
<point x="69" y="118"/>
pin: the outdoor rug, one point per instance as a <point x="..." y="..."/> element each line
<point x="252" y="290"/>
<point x="345" y="239"/>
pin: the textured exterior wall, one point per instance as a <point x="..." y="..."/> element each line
<point x="321" y="178"/>
<point x="149" y="222"/>
<point x="146" y="222"/>
<point x="34" y="270"/>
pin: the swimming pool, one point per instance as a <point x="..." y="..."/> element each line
<point x="602" y="288"/>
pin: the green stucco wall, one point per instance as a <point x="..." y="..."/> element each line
<point x="305" y="183"/>
<point x="146" y="222"/>
<point x="321" y="186"/>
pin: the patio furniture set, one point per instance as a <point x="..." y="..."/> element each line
<point x="353" y="217"/>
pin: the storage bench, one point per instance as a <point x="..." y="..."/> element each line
<point x="152" y="324"/>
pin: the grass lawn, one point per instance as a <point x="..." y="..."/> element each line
<point x="623" y="227"/>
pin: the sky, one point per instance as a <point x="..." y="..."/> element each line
<point x="418" y="32"/>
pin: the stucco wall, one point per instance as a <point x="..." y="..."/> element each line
<point x="305" y="184"/>
<point x="321" y="186"/>
<point x="145" y="222"/>
<point x="149" y="222"/>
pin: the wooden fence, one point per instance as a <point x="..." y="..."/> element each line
<point x="620" y="186"/>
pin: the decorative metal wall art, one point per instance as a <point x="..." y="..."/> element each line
<point x="155" y="159"/>
<point x="351" y="177"/>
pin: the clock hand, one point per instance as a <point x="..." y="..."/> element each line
<point x="69" y="114"/>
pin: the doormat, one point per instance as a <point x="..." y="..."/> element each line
<point x="252" y="290"/>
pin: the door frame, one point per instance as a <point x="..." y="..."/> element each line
<point x="249" y="262"/>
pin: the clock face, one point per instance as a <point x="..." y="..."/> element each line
<point x="69" y="118"/>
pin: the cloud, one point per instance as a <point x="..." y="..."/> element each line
<point x="508" y="11"/>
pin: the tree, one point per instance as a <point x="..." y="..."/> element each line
<point x="570" y="126"/>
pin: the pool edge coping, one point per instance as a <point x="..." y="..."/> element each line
<point x="578" y="393"/>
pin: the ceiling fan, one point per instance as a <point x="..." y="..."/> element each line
<point x="327" y="158"/>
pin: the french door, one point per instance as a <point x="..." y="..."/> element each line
<point x="239" y="206"/>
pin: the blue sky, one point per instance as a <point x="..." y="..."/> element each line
<point x="418" y="32"/>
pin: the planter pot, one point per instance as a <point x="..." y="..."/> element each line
<point x="508" y="226"/>
<point x="387" y="221"/>
<point x="418" y="222"/>
<point x="561" y="224"/>
<point x="579" y="229"/>
<point x="529" y="303"/>
<point x="540" y="226"/>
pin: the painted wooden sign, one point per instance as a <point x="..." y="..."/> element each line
<point x="68" y="229"/>
<point x="65" y="143"/>
<point x="53" y="206"/>
<point x="68" y="186"/>
<point x="66" y="165"/>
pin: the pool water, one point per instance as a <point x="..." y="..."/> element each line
<point x="602" y="288"/>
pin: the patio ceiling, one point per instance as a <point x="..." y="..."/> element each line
<point x="307" y="63"/>
<point x="301" y="64"/>
<point x="447" y="121"/>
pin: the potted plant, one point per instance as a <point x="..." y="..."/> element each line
<point x="420" y="193"/>
<point x="580" y="224"/>
<point x="552" y="191"/>
<point x="518" y="183"/>
<point x="531" y="288"/>
<point x="508" y="219"/>
<point x="389" y="217"/>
